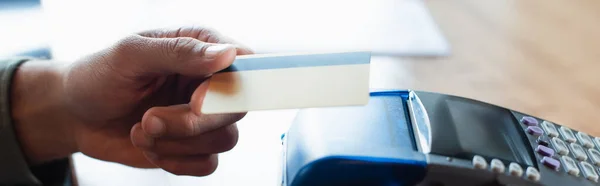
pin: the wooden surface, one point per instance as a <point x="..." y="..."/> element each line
<point x="533" y="56"/>
<point x="538" y="57"/>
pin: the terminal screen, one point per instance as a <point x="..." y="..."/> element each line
<point x="463" y="128"/>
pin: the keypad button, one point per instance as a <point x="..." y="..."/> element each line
<point x="551" y="163"/>
<point x="550" y="129"/>
<point x="585" y="140"/>
<point x="560" y="146"/>
<point x="567" y="134"/>
<point x="543" y="140"/>
<point x="479" y="162"/>
<point x="570" y="165"/>
<point x="529" y="121"/>
<point x="532" y="174"/>
<point x="597" y="141"/>
<point x="578" y="152"/>
<point x="515" y="169"/>
<point x="588" y="171"/>
<point x="497" y="166"/>
<point x="534" y="130"/>
<point x="594" y="156"/>
<point x="544" y="151"/>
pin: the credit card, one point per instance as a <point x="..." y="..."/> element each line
<point x="289" y="81"/>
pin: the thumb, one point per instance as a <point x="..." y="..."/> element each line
<point x="182" y="55"/>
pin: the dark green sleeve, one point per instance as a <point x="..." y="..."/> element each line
<point x="14" y="169"/>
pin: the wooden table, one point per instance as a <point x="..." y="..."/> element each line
<point x="537" y="57"/>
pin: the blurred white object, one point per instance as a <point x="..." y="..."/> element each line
<point x="21" y="30"/>
<point x="391" y="27"/>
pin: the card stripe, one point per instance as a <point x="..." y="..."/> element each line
<point x="295" y="61"/>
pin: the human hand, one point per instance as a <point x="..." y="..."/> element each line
<point x="138" y="102"/>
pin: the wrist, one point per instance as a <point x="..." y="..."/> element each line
<point x="41" y="119"/>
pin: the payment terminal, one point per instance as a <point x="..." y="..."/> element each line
<point x="405" y="137"/>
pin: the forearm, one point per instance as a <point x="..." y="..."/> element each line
<point x="38" y="112"/>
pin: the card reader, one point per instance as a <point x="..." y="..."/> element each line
<point x="406" y="137"/>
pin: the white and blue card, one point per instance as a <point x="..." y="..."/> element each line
<point x="290" y="81"/>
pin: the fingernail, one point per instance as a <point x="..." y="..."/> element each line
<point x="148" y="142"/>
<point x="215" y="50"/>
<point x="151" y="155"/>
<point x="155" y="127"/>
<point x="144" y="141"/>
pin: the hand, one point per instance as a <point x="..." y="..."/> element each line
<point x="136" y="103"/>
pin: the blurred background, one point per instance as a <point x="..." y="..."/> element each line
<point x="72" y="28"/>
<point x="23" y="30"/>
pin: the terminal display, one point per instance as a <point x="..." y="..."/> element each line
<point x="463" y="129"/>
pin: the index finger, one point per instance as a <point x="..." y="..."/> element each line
<point x="185" y="120"/>
<point x="178" y="121"/>
<point x="203" y="34"/>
